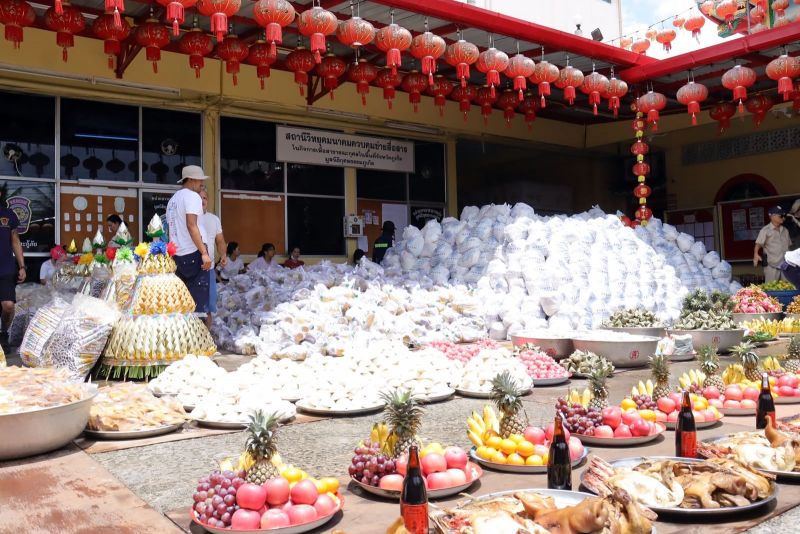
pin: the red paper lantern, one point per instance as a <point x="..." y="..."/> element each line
<point x="301" y="62"/>
<point x="595" y="85"/>
<point x="726" y="10"/>
<point x="757" y="15"/>
<point x="355" y="32"/>
<point x="330" y="69"/>
<point x="274" y="16"/>
<point x="640" y="46"/>
<point x="232" y="51"/>
<point x="316" y="24"/>
<point x="261" y="56"/>
<point x="219" y="11"/>
<point x="644" y="214"/>
<point x="616" y="90"/>
<point x="625" y="43"/>
<point x="780" y="20"/>
<point x="738" y="79"/>
<point x="197" y="44"/>
<point x="175" y="12"/>
<point x="464" y="96"/>
<point x="784" y="70"/>
<point x="153" y="36"/>
<point x="722" y="113"/>
<point x="694" y="24"/>
<point x="389" y="80"/>
<point x="642" y="191"/>
<point x="461" y="55"/>
<point x="16" y="15"/>
<point x="393" y="40"/>
<point x="641" y="169"/>
<point x="651" y="34"/>
<point x="508" y="102"/>
<point x="485" y="99"/>
<point x="427" y="48"/>
<point x="665" y="37"/>
<point x="543" y="75"/>
<point x="692" y="95"/>
<point x="759" y="105"/>
<point x="492" y="62"/>
<point x="707" y="7"/>
<point x="111" y="34"/>
<point x="780" y="7"/>
<point x="625" y="220"/>
<point x="640" y="148"/>
<point x="638" y="124"/>
<point x="362" y="74"/>
<point x="678" y="21"/>
<point x="568" y="79"/>
<point x="414" y="84"/>
<point x="519" y="69"/>
<point x="529" y="106"/>
<point x="651" y="103"/>
<point x="440" y="89"/>
<point x="66" y="24"/>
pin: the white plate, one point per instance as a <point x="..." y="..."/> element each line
<point x="617" y="442"/>
<point x="698" y="426"/>
<point x="737" y="411"/>
<point x="542" y="382"/>
<point x="786" y="400"/>
<point x="432" y="494"/>
<point x="296" y="529"/>
<point x="481" y="394"/>
<point x="794" y="475"/>
<point x="442" y="397"/>
<point x="133" y="434"/>
<point x="527" y="469"/>
<point x="321" y="411"/>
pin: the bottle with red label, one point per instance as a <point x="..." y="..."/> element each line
<point x="685" y="430"/>
<point x="414" y="497"/>
<point x="766" y="404"/>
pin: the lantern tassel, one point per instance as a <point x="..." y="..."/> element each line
<point x="741" y="106"/>
<point x="155" y="67"/>
<point x="219" y="25"/>
<point x="696" y="35"/>
<point x="317" y="45"/>
<point x="274" y="33"/>
<point x="175" y="13"/>
<point x="441" y="110"/>
<point x="117" y="18"/>
<point x="694" y="119"/>
<point x="543" y="102"/>
<point x="520" y="85"/>
<point x="595" y="108"/>
<point x="463" y="106"/>
<point x="544" y="89"/>
<point x="393" y="59"/>
<point x="785" y="87"/>
<point x="176" y="28"/>
<point x="64" y="55"/>
<point x="273" y="49"/>
<point x="59" y="7"/>
<point x="462" y="72"/>
<point x="196" y="62"/>
<point x="569" y="94"/>
<point x="493" y="80"/>
<point x="261" y="80"/>
<point x="111" y="62"/>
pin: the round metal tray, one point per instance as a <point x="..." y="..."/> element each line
<point x="39" y="431"/>
<point x="698" y="426"/>
<point x="555" y="347"/>
<point x="432" y="494"/>
<point x="132" y="434"/>
<point x="526" y="469"/>
<point x="437" y="398"/>
<point x="788" y="475"/>
<point x="619" y="442"/>
<point x="319" y="411"/>
<point x="652" y="331"/>
<point x="694" y="512"/>
<point x="220" y="425"/>
<point x="737" y="411"/>
<point x="295" y="529"/>
<point x="544" y="382"/>
<point x="481" y="394"/>
<point x="724" y="340"/>
<point x="622" y="353"/>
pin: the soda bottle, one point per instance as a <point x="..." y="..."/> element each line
<point x="766" y="404"/>
<point x="559" y="464"/>
<point x="414" y="498"/>
<point x="685" y="430"/>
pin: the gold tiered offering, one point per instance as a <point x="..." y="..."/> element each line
<point x="162" y="294"/>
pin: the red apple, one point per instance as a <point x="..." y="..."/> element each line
<point x="675" y="397"/>
<point x="673" y="417"/>
<point x="734" y="393"/>
<point x="302" y="513"/>
<point x="535" y="435"/>
<point x="275" y="519"/>
<point x="661" y="417"/>
<point x="304" y="492"/>
<point x="785" y="391"/>
<point x="709" y="415"/>
<point x="471" y="472"/>
<point x="787" y="380"/>
<point x="640" y="427"/>
<point x="549" y="432"/>
<point x="277" y="491"/>
<point x="631" y="417"/>
<point x="575" y="448"/>
<point x="391" y="482"/>
<point x="797" y="392"/>
<point x="711" y="392"/>
<point x="666" y="405"/>
<point x="612" y="416"/>
<point x="603" y="431"/>
<point x="748" y="404"/>
<point x="433" y="463"/>
<point x="325" y="505"/>
<point x="623" y="431"/>
<point x="734" y="404"/>
<point x="457" y="476"/>
<point x="401" y="463"/>
<point x="716" y="403"/>
<point x="439" y="480"/>
<point x="244" y="519"/>
<point x="455" y="457"/>
<point x="699" y="417"/>
<point x="251" y="496"/>
<point x="751" y="393"/>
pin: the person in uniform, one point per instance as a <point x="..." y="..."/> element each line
<point x="384" y="242"/>
<point x="792" y="224"/>
<point x="773" y="239"/>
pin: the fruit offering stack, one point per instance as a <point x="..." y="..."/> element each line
<point x="666" y="409"/>
<point x="540" y="365"/>
<point x="461" y="352"/>
<point x="753" y="300"/>
<point x="607" y="422"/>
<point x="704" y="311"/>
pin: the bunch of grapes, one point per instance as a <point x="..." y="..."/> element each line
<point x="578" y="419"/>
<point x="644" y="402"/>
<point x="215" y="498"/>
<point x="369" y="464"/>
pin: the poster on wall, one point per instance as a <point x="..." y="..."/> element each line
<point x="321" y="147"/>
<point x="35" y="207"/>
<point x="420" y="215"/>
<point x="155" y="202"/>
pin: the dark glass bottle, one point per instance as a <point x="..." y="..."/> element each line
<point x="766" y="404"/>
<point x="559" y="465"/>
<point x="414" y="498"/>
<point x="685" y="430"/>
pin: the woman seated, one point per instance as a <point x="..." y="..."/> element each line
<point x="294" y="260"/>
<point x="235" y="264"/>
<point x="264" y="259"/>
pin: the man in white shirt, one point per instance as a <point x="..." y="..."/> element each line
<point x="215" y="240"/>
<point x="183" y="220"/>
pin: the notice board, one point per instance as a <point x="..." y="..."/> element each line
<point x="84" y="211"/>
<point x="741" y="220"/>
<point x="251" y="220"/>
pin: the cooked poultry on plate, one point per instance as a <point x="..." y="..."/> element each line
<point x="769" y="450"/>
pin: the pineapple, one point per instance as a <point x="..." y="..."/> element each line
<point x="792" y="362"/>
<point x="507" y="395"/>
<point x="659" y="369"/>
<point x="597" y="384"/>
<point x="404" y="417"/>
<point x="261" y="447"/>
<point x="749" y="360"/>
<point x="709" y="364"/>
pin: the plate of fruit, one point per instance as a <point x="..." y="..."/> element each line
<point x="608" y="426"/>
<point x="543" y="370"/>
<point x="667" y="407"/>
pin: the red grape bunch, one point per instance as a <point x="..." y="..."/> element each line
<point x="215" y="498"/>
<point x="369" y="464"/>
<point x="578" y="419"/>
<point x="644" y="402"/>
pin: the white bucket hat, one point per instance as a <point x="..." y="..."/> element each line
<point x="192" y="172"/>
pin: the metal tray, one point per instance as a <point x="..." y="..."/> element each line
<point x="724" y="340"/>
<point x="319" y="411"/>
<point x="653" y="331"/>
<point x="786" y="475"/>
<point x="432" y="494"/>
<point x="526" y="469"/>
<point x="481" y="394"/>
<point x="622" y="353"/>
<point x="737" y="411"/>
<point x="544" y="382"/>
<point x="618" y="442"/>
<point x="786" y="400"/>
<point x="220" y="425"/>
<point x="437" y="398"/>
<point x="692" y="512"/>
<point x="295" y="529"/>
<point x="132" y="434"/>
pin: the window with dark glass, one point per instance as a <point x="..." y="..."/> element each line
<point x="315" y="180"/>
<point x="27" y="135"/>
<point x="247" y="154"/>
<point x="170" y="141"/>
<point x="379" y="185"/>
<point x="315" y="225"/>
<point x="99" y="141"/>
<point x="428" y="181"/>
<point x="35" y="206"/>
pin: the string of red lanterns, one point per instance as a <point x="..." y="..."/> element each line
<point x="640" y="169"/>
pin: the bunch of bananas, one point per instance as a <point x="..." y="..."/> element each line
<point x="771" y="363"/>
<point x="694" y="378"/>
<point x="790" y="326"/>
<point x="734" y="374"/>
<point x="770" y="327"/>
<point x="579" y="397"/>
<point x="381" y="435"/>
<point x="481" y="426"/>
<point x="643" y="388"/>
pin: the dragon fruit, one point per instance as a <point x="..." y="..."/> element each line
<point x="753" y="300"/>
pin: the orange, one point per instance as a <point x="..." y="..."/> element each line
<point x="515" y="459"/>
<point x="627" y="404"/>
<point x="540" y="450"/>
<point x="516" y="438"/>
<point x="499" y="458"/>
<point x="494" y="442"/>
<point x="490" y="452"/>
<point x="534" y="460"/>
<point x="700" y="404"/>
<point x="648" y="415"/>
<point x="508" y="446"/>
<point x="546" y="458"/>
<point x="482" y="452"/>
<point x="292" y="474"/>
<point x="331" y="484"/>
<point x="321" y="487"/>
<point x="525" y="448"/>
